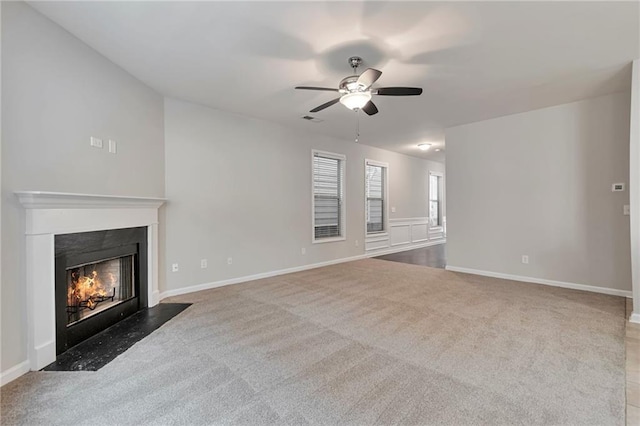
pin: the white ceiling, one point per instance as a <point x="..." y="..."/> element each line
<point x="475" y="60"/>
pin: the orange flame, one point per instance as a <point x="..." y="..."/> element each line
<point x="84" y="288"/>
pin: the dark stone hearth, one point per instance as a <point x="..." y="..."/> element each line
<point x="97" y="351"/>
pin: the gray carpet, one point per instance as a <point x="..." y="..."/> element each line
<point x="361" y="343"/>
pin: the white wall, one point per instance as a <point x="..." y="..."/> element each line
<point x="241" y="188"/>
<point x="57" y="93"/>
<point x="634" y="186"/>
<point x="539" y="184"/>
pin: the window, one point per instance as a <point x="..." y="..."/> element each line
<point x="375" y="193"/>
<point x="328" y="192"/>
<point x="435" y="199"/>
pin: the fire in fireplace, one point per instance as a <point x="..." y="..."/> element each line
<point x="98" y="281"/>
<point x="98" y="286"/>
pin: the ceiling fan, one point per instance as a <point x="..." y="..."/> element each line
<point x="355" y="90"/>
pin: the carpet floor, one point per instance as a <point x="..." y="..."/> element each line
<point x="360" y="343"/>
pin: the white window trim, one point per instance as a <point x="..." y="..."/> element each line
<point x="385" y="222"/>
<point x="343" y="222"/>
<point x="438" y="228"/>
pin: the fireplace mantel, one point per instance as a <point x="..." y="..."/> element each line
<point x="66" y="200"/>
<point x="48" y="214"/>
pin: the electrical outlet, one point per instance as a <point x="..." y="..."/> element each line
<point x="113" y="148"/>
<point x="95" y="142"/>
<point x="393" y="209"/>
<point x="525" y="259"/>
<point x="174" y="267"/>
<point x="356" y="243"/>
<point x="229" y="260"/>
<point x="203" y="263"/>
<point x="626" y="210"/>
<point x="617" y="187"/>
<point x="303" y="251"/>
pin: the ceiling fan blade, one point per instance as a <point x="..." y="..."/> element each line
<point x="370" y="108"/>
<point x="325" y="89"/>
<point x="369" y="76"/>
<point x="325" y="105"/>
<point x="399" y="91"/>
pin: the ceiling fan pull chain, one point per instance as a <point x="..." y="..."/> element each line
<point x="357" y="125"/>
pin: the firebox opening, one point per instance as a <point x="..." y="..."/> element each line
<point x="101" y="278"/>
<point x="95" y="287"/>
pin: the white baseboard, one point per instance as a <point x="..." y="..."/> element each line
<point x="635" y="318"/>
<point x="43" y="355"/>
<point x="383" y="252"/>
<point x="14" y="372"/>
<point x="155" y="298"/>
<point x="574" y="286"/>
<point x="238" y="280"/>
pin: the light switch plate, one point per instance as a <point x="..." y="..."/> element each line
<point x="626" y="210"/>
<point x="112" y="146"/>
<point x="95" y="142"/>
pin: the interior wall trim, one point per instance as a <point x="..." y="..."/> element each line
<point x="269" y="274"/>
<point x="14" y="372"/>
<point x="409" y="219"/>
<point x="405" y="233"/>
<point x="243" y="279"/>
<point x="391" y="250"/>
<point x="533" y="280"/>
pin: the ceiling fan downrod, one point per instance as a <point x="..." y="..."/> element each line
<point x="355" y="62"/>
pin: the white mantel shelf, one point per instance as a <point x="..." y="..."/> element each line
<point x="65" y="200"/>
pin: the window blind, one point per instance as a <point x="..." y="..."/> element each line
<point x="327" y="195"/>
<point x="374" y="189"/>
<point x="434" y="201"/>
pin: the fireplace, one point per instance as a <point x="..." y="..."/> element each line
<point x="98" y="281"/>
<point x="51" y="215"/>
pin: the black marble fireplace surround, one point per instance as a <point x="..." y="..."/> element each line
<point x="72" y="251"/>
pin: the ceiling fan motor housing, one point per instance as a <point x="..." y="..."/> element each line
<point x="350" y="84"/>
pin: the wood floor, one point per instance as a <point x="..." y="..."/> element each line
<point x="433" y="256"/>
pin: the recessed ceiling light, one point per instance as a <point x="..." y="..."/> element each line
<point x="437" y="149"/>
<point x="424" y="146"/>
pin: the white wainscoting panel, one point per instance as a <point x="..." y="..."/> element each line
<point x="377" y="243"/>
<point x="436" y="233"/>
<point x="400" y="233"/>
<point x="419" y="232"/>
<point x="404" y="234"/>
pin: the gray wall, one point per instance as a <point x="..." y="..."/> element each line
<point x="240" y="187"/>
<point x="57" y="93"/>
<point x="539" y="183"/>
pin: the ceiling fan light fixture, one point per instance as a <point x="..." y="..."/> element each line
<point x="424" y="146"/>
<point x="355" y="100"/>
